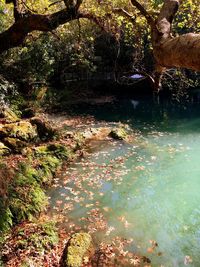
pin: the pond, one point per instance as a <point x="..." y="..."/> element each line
<point x="146" y="193"/>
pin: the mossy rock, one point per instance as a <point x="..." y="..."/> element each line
<point x="14" y="144"/>
<point x="57" y="150"/>
<point x="8" y="115"/>
<point x="44" y="129"/>
<point x="118" y="134"/>
<point x="4" y="150"/>
<point x="22" y="130"/>
<point x="77" y="247"/>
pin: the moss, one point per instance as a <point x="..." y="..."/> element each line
<point x="46" y="168"/>
<point x="78" y="246"/>
<point x="26" y="195"/>
<point x="57" y="150"/>
<point x="8" y="115"/>
<point x="22" y="130"/>
<point x="118" y="134"/>
<point x="6" y="218"/>
<point x="26" y="199"/>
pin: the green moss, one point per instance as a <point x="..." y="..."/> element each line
<point x="46" y="168"/>
<point x="6" y="218"/>
<point x="26" y="198"/>
<point x="78" y="245"/>
<point x="22" y="130"/>
<point x="57" y="150"/>
<point x="8" y="115"/>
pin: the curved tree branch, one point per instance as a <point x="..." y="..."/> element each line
<point x="17" y="33"/>
<point x="144" y="12"/>
<point x="123" y="12"/>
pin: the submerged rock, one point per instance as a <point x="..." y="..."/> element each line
<point x="118" y="134"/>
<point x="78" y="248"/>
<point x="96" y="133"/>
<point x="22" y="130"/>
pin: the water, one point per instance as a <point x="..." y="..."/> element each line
<point x="146" y="192"/>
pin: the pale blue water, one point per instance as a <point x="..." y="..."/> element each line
<point x="147" y="190"/>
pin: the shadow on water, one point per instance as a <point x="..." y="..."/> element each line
<point x="146" y="111"/>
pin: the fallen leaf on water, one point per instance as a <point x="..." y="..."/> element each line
<point x="187" y="260"/>
<point x="150" y="250"/>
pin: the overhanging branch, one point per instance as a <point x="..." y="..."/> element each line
<point x="16" y="34"/>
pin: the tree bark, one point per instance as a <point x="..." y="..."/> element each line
<point x="27" y="22"/>
<point x="17" y="33"/>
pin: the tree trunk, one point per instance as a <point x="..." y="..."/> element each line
<point x="182" y="51"/>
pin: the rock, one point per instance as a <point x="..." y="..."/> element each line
<point x="78" y="248"/>
<point x="4" y="150"/>
<point x="22" y="130"/>
<point x="118" y="134"/>
<point x="58" y="150"/>
<point x="14" y="144"/>
<point x="45" y="130"/>
<point x="8" y="115"/>
<point x="96" y="133"/>
<point x="28" y="113"/>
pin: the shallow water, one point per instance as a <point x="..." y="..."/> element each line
<point x="147" y="192"/>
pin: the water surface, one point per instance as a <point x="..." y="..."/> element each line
<point x="147" y="192"/>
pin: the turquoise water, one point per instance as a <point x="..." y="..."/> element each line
<point x="146" y="192"/>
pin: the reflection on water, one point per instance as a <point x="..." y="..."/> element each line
<point x="147" y="192"/>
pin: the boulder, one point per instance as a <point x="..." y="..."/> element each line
<point x="77" y="250"/>
<point x="22" y="130"/>
<point x="4" y="150"/>
<point x="14" y="144"/>
<point x="8" y="115"/>
<point x="118" y="134"/>
<point x="57" y="150"/>
<point x="45" y="129"/>
<point x="28" y="113"/>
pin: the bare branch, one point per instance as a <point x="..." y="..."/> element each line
<point x="17" y="33"/>
<point x="125" y="13"/>
<point x="56" y="2"/>
<point x="97" y="20"/>
<point x="144" y="12"/>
